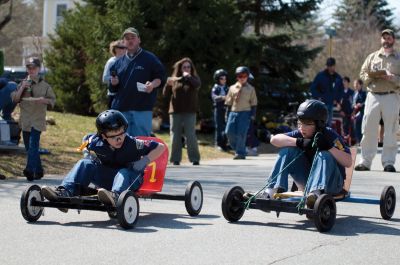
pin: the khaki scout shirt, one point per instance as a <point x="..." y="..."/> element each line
<point x="379" y="61"/>
<point x="32" y="113"/>
<point x="241" y="98"/>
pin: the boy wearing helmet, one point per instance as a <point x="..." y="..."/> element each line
<point x="242" y="101"/>
<point x="325" y="168"/>
<point x="218" y="94"/>
<point x="114" y="161"/>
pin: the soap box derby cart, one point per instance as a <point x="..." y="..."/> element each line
<point x="126" y="211"/>
<point x="323" y="213"/>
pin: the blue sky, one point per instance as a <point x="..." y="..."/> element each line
<point x="328" y="7"/>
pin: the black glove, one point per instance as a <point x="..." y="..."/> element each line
<point x="321" y="142"/>
<point x="304" y="143"/>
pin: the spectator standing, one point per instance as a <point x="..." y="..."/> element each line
<point x="328" y="87"/>
<point x="358" y="107"/>
<point x="182" y="90"/>
<point x="347" y="108"/>
<point x="218" y="94"/>
<point x="381" y="74"/>
<point x="7" y="106"/>
<point x="138" y="74"/>
<point x="117" y="49"/>
<point x="242" y="101"/>
<point x="33" y="95"/>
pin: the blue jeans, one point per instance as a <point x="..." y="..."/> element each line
<point x="31" y="142"/>
<point x="324" y="174"/>
<point x="236" y="130"/>
<point x="6" y="104"/>
<point x="87" y="171"/>
<point x="139" y="122"/>
<point x="219" y="122"/>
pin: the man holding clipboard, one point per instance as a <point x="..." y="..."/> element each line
<point x="381" y="74"/>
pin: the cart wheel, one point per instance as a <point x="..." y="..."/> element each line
<point x="127" y="209"/>
<point x="193" y="198"/>
<point x="29" y="212"/>
<point x="232" y="204"/>
<point x="387" y="202"/>
<point x="324" y="213"/>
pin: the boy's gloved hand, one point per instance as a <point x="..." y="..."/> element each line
<point x="304" y="143"/>
<point x="141" y="164"/>
<point x="322" y="143"/>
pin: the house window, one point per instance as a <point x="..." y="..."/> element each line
<point x="61" y="8"/>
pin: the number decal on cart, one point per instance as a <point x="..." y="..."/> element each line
<point x="153" y="171"/>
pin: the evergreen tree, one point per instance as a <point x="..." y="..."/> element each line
<point x="353" y="16"/>
<point x="272" y="51"/>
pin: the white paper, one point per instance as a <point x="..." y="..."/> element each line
<point x="141" y="87"/>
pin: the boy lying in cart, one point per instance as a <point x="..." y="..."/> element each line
<point x="113" y="162"/>
<point x="321" y="167"/>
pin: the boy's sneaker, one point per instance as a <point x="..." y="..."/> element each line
<point x="54" y="195"/>
<point x="312" y="198"/>
<point x="107" y="197"/>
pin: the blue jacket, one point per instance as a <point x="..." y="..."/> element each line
<point x="327" y="87"/>
<point x="217" y="91"/>
<point x="131" y="150"/>
<point x="360" y="97"/>
<point x="347" y="102"/>
<point x="143" y="67"/>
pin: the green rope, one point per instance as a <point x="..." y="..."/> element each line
<point x="247" y="203"/>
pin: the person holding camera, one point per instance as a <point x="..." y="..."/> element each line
<point x="33" y="95"/>
<point x="137" y="76"/>
<point x="117" y="49"/>
<point x="182" y="90"/>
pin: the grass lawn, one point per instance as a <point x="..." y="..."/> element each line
<point x="63" y="138"/>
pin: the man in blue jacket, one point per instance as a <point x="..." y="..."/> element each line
<point x="134" y="78"/>
<point x="328" y="87"/>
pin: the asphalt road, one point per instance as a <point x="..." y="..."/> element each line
<point x="166" y="234"/>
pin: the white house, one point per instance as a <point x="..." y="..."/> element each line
<point x="52" y="15"/>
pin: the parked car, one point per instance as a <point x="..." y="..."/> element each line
<point x="18" y="73"/>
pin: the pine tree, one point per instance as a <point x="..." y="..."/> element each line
<point x="273" y="53"/>
<point x="353" y="16"/>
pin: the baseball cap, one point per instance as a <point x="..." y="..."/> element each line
<point x="33" y="61"/>
<point x="330" y="61"/>
<point x="388" y="31"/>
<point x="130" y="30"/>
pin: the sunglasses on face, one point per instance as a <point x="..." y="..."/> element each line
<point x="242" y="76"/>
<point x="115" y="137"/>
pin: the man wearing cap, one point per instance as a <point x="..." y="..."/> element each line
<point x="328" y="87"/>
<point x="381" y="75"/>
<point x="134" y="78"/>
<point x="33" y="95"/>
<point x="6" y="104"/>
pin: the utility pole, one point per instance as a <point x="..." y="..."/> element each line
<point x="331" y="32"/>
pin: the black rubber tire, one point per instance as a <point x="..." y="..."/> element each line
<point x="324" y="213"/>
<point x="193" y="198"/>
<point x="31" y="213"/>
<point x="127" y="209"/>
<point x="233" y="204"/>
<point x="387" y="202"/>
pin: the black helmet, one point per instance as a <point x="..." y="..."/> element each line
<point x="219" y="73"/>
<point x="242" y="70"/>
<point x="314" y="110"/>
<point x="110" y="120"/>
